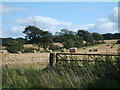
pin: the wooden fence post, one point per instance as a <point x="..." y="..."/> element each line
<point x="52" y="59"/>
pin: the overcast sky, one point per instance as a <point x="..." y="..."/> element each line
<point x="98" y="17"/>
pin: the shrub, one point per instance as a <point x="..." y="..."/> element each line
<point x="54" y="47"/>
<point x="13" y="46"/>
<point x="69" y="43"/>
<point x="118" y="42"/>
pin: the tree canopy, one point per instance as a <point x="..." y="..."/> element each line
<point x="13" y="46"/>
<point x="37" y="36"/>
<point x="109" y="36"/>
<point x="44" y="39"/>
<point x="97" y="37"/>
<point x="86" y="36"/>
<point x="69" y="38"/>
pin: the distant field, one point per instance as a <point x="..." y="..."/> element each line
<point x="42" y="59"/>
<point x="111" y="41"/>
<point x="102" y="48"/>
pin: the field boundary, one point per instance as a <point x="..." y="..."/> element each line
<point x="56" y="57"/>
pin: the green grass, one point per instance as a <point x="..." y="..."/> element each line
<point x="104" y="74"/>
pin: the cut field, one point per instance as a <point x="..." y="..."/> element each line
<point x="101" y="48"/>
<point x="41" y="60"/>
<point x="26" y="60"/>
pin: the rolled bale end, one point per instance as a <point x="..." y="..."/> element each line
<point x="34" y="51"/>
<point x="4" y="52"/>
<point x="84" y="48"/>
<point x="73" y="50"/>
<point x="111" y="47"/>
<point x="90" y="50"/>
<point x="108" y="45"/>
<point x="63" y="50"/>
<point x="38" y="51"/>
<point x="50" y="51"/>
<point x="95" y="50"/>
<point x="19" y="52"/>
<point x="113" y="44"/>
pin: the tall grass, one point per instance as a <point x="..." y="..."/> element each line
<point x="104" y="73"/>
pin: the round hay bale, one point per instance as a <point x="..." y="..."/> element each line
<point x="108" y="45"/>
<point x="5" y="52"/>
<point x="34" y="51"/>
<point x="95" y="50"/>
<point x="50" y="51"/>
<point x="19" y="52"/>
<point x="90" y="50"/>
<point x="63" y="50"/>
<point x="111" y="47"/>
<point x="73" y="50"/>
<point x="113" y="44"/>
<point x="84" y="48"/>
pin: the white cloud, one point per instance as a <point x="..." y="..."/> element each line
<point x="114" y="15"/>
<point x="45" y="23"/>
<point x="13" y="32"/>
<point x="103" y="25"/>
<point x="16" y="29"/>
<point x="5" y="8"/>
<point x="51" y="24"/>
<point x="107" y="25"/>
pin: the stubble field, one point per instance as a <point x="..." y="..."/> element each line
<point x="41" y="60"/>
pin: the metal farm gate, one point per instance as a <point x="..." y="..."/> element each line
<point x="57" y="57"/>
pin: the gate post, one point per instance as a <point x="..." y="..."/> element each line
<point x="52" y="59"/>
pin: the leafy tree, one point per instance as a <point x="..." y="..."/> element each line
<point x="39" y="37"/>
<point x="54" y="47"/>
<point x="108" y="36"/>
<point x="97" y="37"/>
<point x="13" y="46"/>
<point x="78" y="41"/>
<point x="69" y="38"/>
<point x="6" y="40"/>
<point x="65" y="32"/>
<point x="116" y="36"/>
<point x="69" y="43"/>
<point x="86" y="36"/>
<point x="63" y="35"/>
<point x="22" y="40"/>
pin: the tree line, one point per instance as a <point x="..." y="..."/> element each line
<point x="110" y="36"/>
<point x="44" y="39"/>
